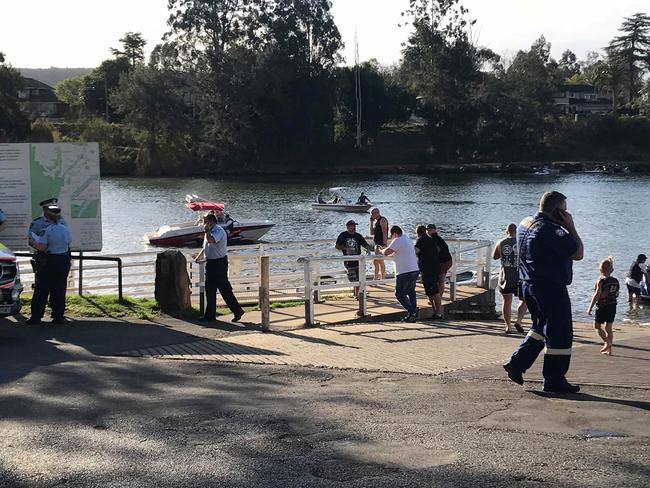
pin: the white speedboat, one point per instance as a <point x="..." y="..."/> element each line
<point x="191" y="233"/>
<point x="546" y="172"/>
<point x="338" y="202"/>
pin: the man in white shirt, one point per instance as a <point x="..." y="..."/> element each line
<point x="406" y="271"/>
<point x="215" y="253"/>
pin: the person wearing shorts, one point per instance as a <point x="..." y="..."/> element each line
<point x="635" y="277"/>
<point x="506" y="251"/>
<point x="605" y="298"/>
<point x="429" y="264"/>
<point x="444" y="257"/>
<point x="350" y="243"/>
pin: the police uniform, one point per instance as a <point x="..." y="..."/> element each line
<point x="37" y="227"/>
<point x="53" y="270"/>
<point x="546" y="268"/>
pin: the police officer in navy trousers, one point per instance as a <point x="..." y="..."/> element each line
<point x="548" y="244"/>
<point x="53" y="268"/>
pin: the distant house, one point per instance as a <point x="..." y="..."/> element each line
<point x="39" y="100"/>
<point x="582" y="100"/>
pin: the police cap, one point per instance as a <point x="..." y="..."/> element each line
<point x="49" y="201"/>
<point x="54" y="209"/>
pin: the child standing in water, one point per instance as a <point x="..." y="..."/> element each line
<point x="605" y="298"/>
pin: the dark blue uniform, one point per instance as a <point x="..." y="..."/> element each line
<point x="546" y="268"/>
<point x="53" y="271"/>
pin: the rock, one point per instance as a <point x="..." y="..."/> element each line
<point x="172" y="291"/>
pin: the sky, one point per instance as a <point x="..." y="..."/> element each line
<point x="80" y="33"/>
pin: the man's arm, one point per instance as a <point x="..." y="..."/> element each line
<point x="568" y="224"/>
<point x="496" y="254"/>
<point x="388" y="251"/>
<point x="384" y="229"/>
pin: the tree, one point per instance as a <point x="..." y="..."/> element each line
<point x="569" y="65"/>
<point x="98" y="85"/>
<point x="14" y="126"/>
<point x="71" y="91"/>
<point x="151" y="100"/>
<point x="132" y="48"/>
<point x="632" y="50"/>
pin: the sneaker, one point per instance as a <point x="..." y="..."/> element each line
<point x="518" y="327"/>
<point x="514" y="374"/>
<point x="435" y="316"/>
<point x="59" y="320"/>
<point x="237" y="317"/>
<point x="566" y="388"/>
<point x="507" y="331"/>
<point x="412" y="318"/>
<point x="406" y="318"/>
<point x="33" y="321"/>
<point x="203" y="318"/>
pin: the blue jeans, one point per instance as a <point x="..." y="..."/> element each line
<point x="405" y="291"/>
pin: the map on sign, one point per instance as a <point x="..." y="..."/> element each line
<point x="31" y="173"/>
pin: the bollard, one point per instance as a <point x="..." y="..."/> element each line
<point x="264" y="299"/>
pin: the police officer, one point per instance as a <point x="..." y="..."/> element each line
<point x="53" y="268"/>
<point x="37" y="228"/>
<point x="548" y="244"/>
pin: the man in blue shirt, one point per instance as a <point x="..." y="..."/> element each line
<point x="53" y="269"/>
<point x="215" y="253"/>
<point x="548" y="244"/>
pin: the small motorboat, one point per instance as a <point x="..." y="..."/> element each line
<point x="546" y="172"/>
<point x="187" y="234"/>
<point x="338" y="202"/>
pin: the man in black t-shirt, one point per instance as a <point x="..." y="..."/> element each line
<point x="429" y="264"/>
<point x="351" y="242"/>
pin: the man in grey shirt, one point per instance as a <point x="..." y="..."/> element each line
<point x="215" y="253"/>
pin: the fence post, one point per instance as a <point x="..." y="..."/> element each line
<point x="488" y="265"/>
<point x="362" y="287"/>
<point x="480" y="277"/>
<point x="202" y="287"/>
<point x="452" y="278"/>
<point x="81" y="275"/>
<point x="264" y="300"/>
<point x="309" y="295"/>
<point x="317" y="294"/>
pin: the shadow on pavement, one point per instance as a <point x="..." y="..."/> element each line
<point x="588" y="397"/>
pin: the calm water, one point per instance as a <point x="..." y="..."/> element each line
<point x="610" y="211"/>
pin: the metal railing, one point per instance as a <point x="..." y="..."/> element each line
<point x="260" y="274"/>
<point x="314" y="285"/>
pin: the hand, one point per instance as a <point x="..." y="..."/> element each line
<point x="589" y="312"/>
<point x="567" y="222"/>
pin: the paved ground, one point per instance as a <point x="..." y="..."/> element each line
<point x="74" y="413"/>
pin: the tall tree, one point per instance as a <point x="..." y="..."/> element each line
<point x="632" y="49"/>
<point x="14" y="126"/>
<point x="99" y="84"/>
<point x="569" y="65"/>
<point x="71" y="91"/>
<point x="132" y="48"/>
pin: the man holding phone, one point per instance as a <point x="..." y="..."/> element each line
<point x="548" y="243"/>
<point x="215" y="253"/>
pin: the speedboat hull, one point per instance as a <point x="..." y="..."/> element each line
<point x="188" y="234"/>
<point x="339" y="207"/>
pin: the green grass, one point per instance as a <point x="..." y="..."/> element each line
<point x="141" y="308"/>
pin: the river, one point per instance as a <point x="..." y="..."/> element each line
<point x="609" y="210"/>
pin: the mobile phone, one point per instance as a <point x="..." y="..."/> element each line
<point x="559" y="214"/>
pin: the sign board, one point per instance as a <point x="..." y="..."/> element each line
<point x="31" y="173"/>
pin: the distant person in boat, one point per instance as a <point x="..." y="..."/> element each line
<point x="215" y="254"/>
<point x="444" y="255"/>
<point x="634" y="277"/>
<point x="426" y="250"/>
<point x="363" y="199"/>
<point x="506" y="251"/>
<point x="379" y="232"/>
<point x="320" y="198"/>
<point x="406" y="271"/>
<point x="350" y="243"/>
<point x="605" y="298"/>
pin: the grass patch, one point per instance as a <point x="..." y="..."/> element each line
<point x="141" y="308"/>
<point x="102" y="306"/>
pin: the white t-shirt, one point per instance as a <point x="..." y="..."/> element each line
<point x="406" y="260"/>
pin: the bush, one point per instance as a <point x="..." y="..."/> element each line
<point x="43" y="131"/>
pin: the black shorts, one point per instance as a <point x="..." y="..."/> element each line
<point x="511" y="290"/>
<point x="605" y="314"/>
<point x="633" y="290"/>
<point x="353" y="273"/>
<point x="430" y="282"/>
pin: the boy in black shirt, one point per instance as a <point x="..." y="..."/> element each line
<point x="351" y="242"/>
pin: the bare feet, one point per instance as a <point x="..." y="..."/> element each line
<point x="607" y="349"/>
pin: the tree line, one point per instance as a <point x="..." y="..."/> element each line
<point x="244" y="85"/>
